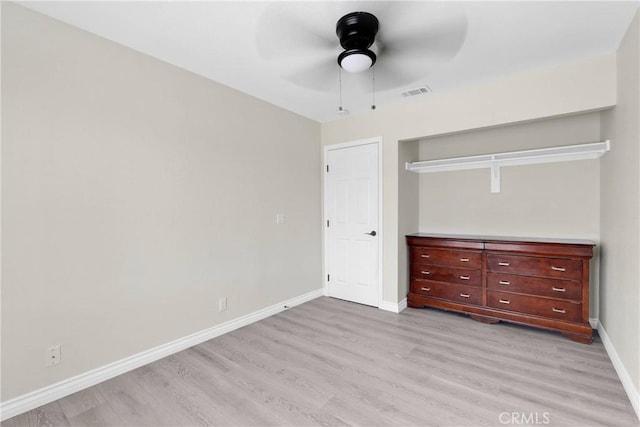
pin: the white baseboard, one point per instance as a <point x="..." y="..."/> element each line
<point x="593" y="321"/>
<point x="34" y="399"/>
<point x="625" y="378"/>
<point x="393" y="307"/>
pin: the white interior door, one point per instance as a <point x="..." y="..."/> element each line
<point x="352" y="233"/>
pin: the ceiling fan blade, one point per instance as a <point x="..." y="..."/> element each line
<point x="319" y="76"/>
<point x="419" y="60"/>
<point x="390" y="75"/>
<point x="438" y="37"/>
<point x="405" y="17"/>
<point x="282" y="34"/>
<point x="425" y="45"/>
<point x="410" y="53"/>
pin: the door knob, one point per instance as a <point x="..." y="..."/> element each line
<point x="372" y="233"/>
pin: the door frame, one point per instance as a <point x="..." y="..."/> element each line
<point x="325" y="264"/>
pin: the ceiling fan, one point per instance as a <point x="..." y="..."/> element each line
<point x="357" y="32"/>
<point x="403" y="41"/>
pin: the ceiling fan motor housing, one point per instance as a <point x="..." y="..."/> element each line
<point x="357" y="32"/>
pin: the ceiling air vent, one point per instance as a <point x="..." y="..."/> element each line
<point x="423" y="90"/>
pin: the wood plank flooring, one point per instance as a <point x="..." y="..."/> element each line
<point x="334" y="363"/>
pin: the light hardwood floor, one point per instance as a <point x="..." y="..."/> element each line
<point x="330" y="362"/>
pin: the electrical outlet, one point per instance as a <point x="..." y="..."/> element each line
<point x="222" y="304"/>
<point x="52" y="356"/>
<point x="281" y="218"/>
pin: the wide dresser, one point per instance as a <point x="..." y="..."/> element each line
<point x="538" y="282"/>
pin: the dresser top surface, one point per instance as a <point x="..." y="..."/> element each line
<point x="498" y="239"/>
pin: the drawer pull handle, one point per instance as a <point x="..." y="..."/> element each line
<point x="464" y="277"/>
<point x="424" y="256"/>
<point x="425" y="289"/>
<point x="553" y="288"/>
<point x="464" y="259"/>
<point x="426" y="273"/>
<point x="558" y="310"/>
<point x="554" y="268"/>
<point x="504" y="301"/>
<point x="503" y="264"/>
<point x="465" y="295"/>
<point x="504" y="282"/>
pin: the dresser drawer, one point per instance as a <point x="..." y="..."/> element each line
<point x="468" y="259"/>
<point x="539" y="306"/>
<point x="450" y="292"/>
<point x="438" y="273"/>
<point x="535" y="266"/>
<point x="555" y="288"/>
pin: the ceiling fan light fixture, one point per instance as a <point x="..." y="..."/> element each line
<point x="356" y="60"/>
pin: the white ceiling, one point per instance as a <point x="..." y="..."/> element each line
<point x="260" y="47"/>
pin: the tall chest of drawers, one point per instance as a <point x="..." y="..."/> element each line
<point x="543" y="283"/>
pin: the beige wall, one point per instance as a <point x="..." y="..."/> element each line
<point x="408" y="202"/>
<point x="620" y="212"/>
<point x="548" y="200"/>
<point x="134" y="195"/>
<point x="574" y="87"/>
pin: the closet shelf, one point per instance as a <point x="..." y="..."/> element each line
<point x="513" y="158"/>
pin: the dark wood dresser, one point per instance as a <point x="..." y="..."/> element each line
<point x="538" y="282"/>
